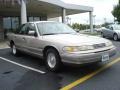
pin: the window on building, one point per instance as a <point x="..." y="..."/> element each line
<point x="10" y="24"/>
<point x="15" y="23"/>
<point x="36" y="18"/>
<point x="30" y="19"/>
<point x="7" y="23"/>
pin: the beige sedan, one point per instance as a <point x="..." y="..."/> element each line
<point x="57" y="44"/>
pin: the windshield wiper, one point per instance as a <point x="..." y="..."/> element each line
<point x="50" y="34"/>
<point x="69" y="33"/>
<point x="57" y="33"/>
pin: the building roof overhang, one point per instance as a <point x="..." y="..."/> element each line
<point x="51" y="8"/>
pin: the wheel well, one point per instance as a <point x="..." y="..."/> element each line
<point x="11" y="43"/>
<point x="114" y="34"/>
<point x="49" y="47"/>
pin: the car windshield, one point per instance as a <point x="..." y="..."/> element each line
<point x="51" y="28"/>
<point x="116" y="27"/>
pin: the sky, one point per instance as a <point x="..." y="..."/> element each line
<point x="102" y="11"/>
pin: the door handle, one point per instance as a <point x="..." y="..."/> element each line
<point x="23" y="38"/>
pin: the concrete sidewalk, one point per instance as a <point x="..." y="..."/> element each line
<point x="3" y="44"/>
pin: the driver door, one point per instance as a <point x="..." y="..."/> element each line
<point x="33" y="41"/>
<point x="110" y="32"/>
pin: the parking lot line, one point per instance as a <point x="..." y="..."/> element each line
<point x="83" y="79"/>
<point x="24" y="66"/>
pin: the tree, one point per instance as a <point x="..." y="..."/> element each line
<point x="105" y="24"/>
<point x="116" y="12"/>
<point x="78" y="26"/>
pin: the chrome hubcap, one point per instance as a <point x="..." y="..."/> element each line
<point x="115" y="37"/>
<point x="14" y="49"/>
<point x="51" y="60"/>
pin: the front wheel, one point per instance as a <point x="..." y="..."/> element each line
<point x="115" y="37"/>
<point x="53" y="61"/>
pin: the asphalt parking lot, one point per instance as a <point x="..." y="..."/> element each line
<point x="25" y="72"/>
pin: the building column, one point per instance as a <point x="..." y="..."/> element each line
<point x="63" y="15"/>
<point x="91" y="21"/>
<point x="23" y="12"/>
<point x="1" y="29"/>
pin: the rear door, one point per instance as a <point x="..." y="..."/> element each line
<point x="20" y="39"/>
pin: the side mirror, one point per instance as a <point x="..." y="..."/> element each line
<point x="111" y="28"/>
<point x="32" y="33"/>
<point x="35" y="34"/>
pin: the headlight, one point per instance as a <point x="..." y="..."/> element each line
<point x="70" y="49"/>
<point x="109" y="44"/>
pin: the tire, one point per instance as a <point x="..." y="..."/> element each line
<point x="115" y="37"/>
<point x="14" y="50"/>
<point x="53" y="61"/>
<point x="102" y="35"/>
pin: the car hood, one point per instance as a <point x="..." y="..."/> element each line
<point x="75" y="39"/>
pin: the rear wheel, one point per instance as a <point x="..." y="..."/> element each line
<point x="14" y="49"/>
<point x="53" y="61"/>
<point x="102" y="35"/>
<point x="115" y="37"/>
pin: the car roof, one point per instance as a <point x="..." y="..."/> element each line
<point x="40" y="21"/>
<point x="114" y="25"/>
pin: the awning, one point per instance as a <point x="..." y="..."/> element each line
<point x="51" y="8"/>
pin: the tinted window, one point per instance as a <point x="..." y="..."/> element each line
<point x="116" y="27"/>
<point x="109" y="27"/>
<point x="31" y="29"/>
<point x="23" y="29"/>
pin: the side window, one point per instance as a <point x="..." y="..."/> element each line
<point x="31" y="30"/>
<point x="109" y="27"/>
<point x="23" y="29"/>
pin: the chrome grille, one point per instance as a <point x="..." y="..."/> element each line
<point x="101" y="45"/>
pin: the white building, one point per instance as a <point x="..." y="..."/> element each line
<point x="16" y="12"/>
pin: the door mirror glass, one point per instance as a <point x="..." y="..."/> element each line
<point x="35" y="34"/>
<point x="31" y="33"/>
<point x="111" y="28"/>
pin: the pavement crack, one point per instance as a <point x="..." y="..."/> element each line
<point x="8" y="72"/>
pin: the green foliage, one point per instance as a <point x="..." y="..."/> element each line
<point x="80" y="26"/>
<point x="116" y="12"/>
<point x="105" y="24"/>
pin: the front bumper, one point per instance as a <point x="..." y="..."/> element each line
<point x="87" y="57"/>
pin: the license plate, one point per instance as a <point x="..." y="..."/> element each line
<point x="105" y="57"/>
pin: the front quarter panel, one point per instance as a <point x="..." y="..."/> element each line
<point x="46" y="42"/>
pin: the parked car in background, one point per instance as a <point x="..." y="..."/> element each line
<point x="57" y="44"/>
<point x="111" y="31"/>
<point x="98" y="30"/>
